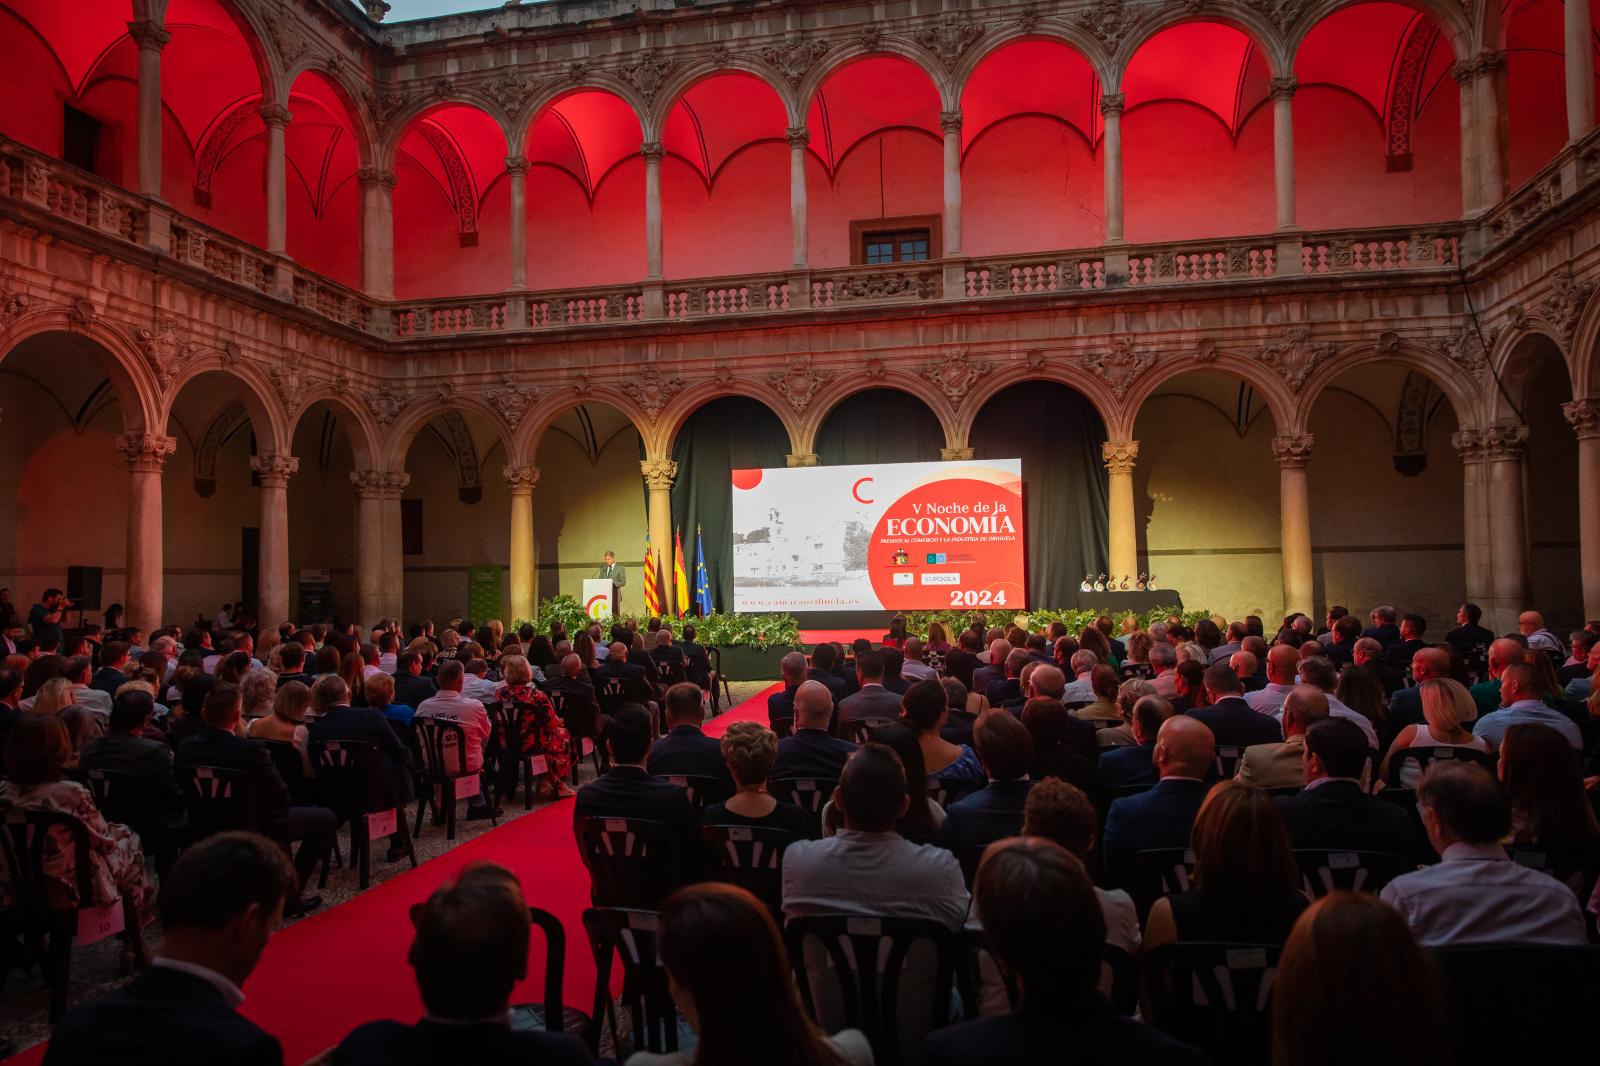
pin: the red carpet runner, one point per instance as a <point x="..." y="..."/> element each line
<point x="323" y="976"/>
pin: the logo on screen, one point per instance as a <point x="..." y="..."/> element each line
<point x="936" y="558"/>
<point x="902" y="579"/>
<point x="902" y="557"/>
<point x="941" y="579"/>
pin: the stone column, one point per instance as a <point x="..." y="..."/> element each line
<point x="517" y="167"/>
<point x="1121" y="456"/>
<point x="653" y="154"/>
<point x="1483" y="100"/>
<point x="1580" y="70"/>
<point x="1283" y="150"/>
<point x="380" y="562"/>
<point x="1504" y="446"/>
<point x="150" y="38"/>
<point x="950" y="123"/>
<point x="658" y="477"/>
<point x="273" y="473"/>
<point x="1293" y="452"/>
<point x="1468" y="444"/>
<point x="377" y="232"/>
<point x="276" y="117"/>
<point x="522" y="480"/>
<point x="147" y="454"/>
<point x="799" y="137"/>
<point x="1111" y="111"/>
<point x="1585" y="418"/>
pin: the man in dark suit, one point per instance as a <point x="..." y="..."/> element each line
<point x="1135" y="764"/>
<point x="1398" y="655"/>
<point x="1007" y="691"/>
<point x="471" y="949"/>
<point x="1468" y="634"/>
<point x="845" y="669"/>
<point x="1042" y="919"/>
<point x="811" y="751"/>
<point x="893" y="660"/>
<point x="994" y="811"/>
<point x="995" y="670"/>
<point x="1333" y="811"/>
<point x="219" y="906"/>
<point x="1163" y="816"/>
<point x="962" y="658"/>
<point x="1231" y="720"/>
<point x="822" y="662"/>
<point x="1370" y="654"/>
<point x="411" y="685"/>
<point x="873" y="701"/>
<point x="125" y="750"/>
<point x="575" y="700"/>
<point x="218" y="745"/>
<point x="780" y="705"/>
<point x="686" y="749"/>
<point x="667" y="658"/>
<point x="113" y="665"/>
<point x="340" y="721"/>
<point x="1339" y="643"/>
<point x="628" y="790"/>
<point x="293" y="658"/>
<point x="636" y="686"/>
<point x="1383" y="628"/>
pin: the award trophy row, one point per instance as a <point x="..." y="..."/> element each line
<point x="1103" y="583"/>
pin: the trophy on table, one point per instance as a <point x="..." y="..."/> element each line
<point x="1142" y="583"/>
<point x="1124" y="586"/>
<point x="1100" y="582"/>
<point x="1087" y="584"/>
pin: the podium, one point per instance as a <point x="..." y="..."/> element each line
<point x="599" y="598"/>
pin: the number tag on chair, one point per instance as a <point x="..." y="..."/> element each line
<point x="588" y="745"/>
<point x="645" y="922"/>
<point x="616" y="825"/>
<point x="1343" y="860"/>
<point x="1247" y="959"/>
<point x="739" y="833"/>
<point x="863" y="927"/>
<point x="382" y="823"/>
<point x="468" y="786"/>
<point x="539" y="765"/>
<point x="97" y="923"/>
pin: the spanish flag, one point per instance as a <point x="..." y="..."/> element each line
<point x="680" y="576"/>
<point x="652" y="580"/>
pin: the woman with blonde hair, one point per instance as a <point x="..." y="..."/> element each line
<point x="55" y="701"/>
<point x="938" y="638"/>
<point x="258" y="689"/>
<point x="1448" y="712"/>
<point x="750" y="749"/>
<point x="287" y="722"/>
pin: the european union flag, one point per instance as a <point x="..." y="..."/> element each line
<point x="702" y="579"/>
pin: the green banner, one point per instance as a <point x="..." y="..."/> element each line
<point x="486" y="593"/>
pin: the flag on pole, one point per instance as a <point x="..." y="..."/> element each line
<point x="702" y="579"/>
<point x="680" y="578"/>
<point x="652" y="582"/>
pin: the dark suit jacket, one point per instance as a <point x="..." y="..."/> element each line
<point x="836" y="686"/>
<point x="160" y="1017"/>
<point x="636" y="687"/>
<point x="308" y="680"/>
<point x="367" y="724"/>
<point x="1338" y="815"/>
<point x="1129" y="765"/>
<point x="873" y="702"/>
<point x="847" y="674"/>
<point x="1088" y="1030"/>
<point x="579" y="709"/>
<point x="398" y="1044"/>
<point x="1405" y="708"/>
<point x="1005" y="691"/>
<point x="214" y="747"/>
<point x="1338" y="654"/>
<point x="1159" y="818"/>
<point x="1399" y="654"/>
<point x="811" y="753"/>
<point x="1235" y="723"/>
<point x="1386" y="634"/>
<point x="989" y="814"/>
<point x="687" y="750"/>
<point x="960" y="664"/>
<point x="631" y="792"/>
<point x="1464" y="638"/>
<point x="982" y="676"/>
<point x="108" y="680"/>
<point x="148" y="760"/>
<point x="411" y="691"/>
<point x="781" y="704"/>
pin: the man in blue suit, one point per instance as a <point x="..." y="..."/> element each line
<point x="812" y="752"/>
<point x="1163" y="816"/>
<point x="994" y="812"/>
<point x="1232" y="721"/>
<point x="686" y="749"/>
<point x="1135" y="765"/>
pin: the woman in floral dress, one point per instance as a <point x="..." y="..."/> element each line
<point x="542" y="731"/>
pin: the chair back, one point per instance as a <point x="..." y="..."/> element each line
<point x="1119" y="979"/>
<point x="578" y="712"/>
<point x="1577" y="868"/>
<point x="631" y="861"/>
<point x="1424" y="757"/>
<point x="1229" y="756"/>
<point x="701" y="791"/>
<point x="750" y="856"/>
<point x="505" y="726"/>
<point x="350" y="777"/>
<point x="1155" y="873"/>
<point x="945" y="792"/>
<point x="122" y="797"/>
<point x="1324" y="870"/>
<point x="810" y="794"/>
<point x="292" y="768"/>
<point x="1548" y="989"/>
<point x="220" y="799"/>
<point x="27" y="840"/>
<point x="444" y="748"/>
<point x="879" y="972"/>
<point x="1214" y="995"/>
<point x="633" y="936"/>
<point x="1143" y="671"/>
<point x="670" y="671"/>
<point x="611" y="693"/>
<point x="860" y="729"/>
<point x="551" y="1013"/>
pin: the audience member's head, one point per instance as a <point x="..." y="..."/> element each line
<point x="1304" y="706"/>
<point x="451" y="675"/>
<point x="869" y="667"/>
<point x="1319" y="671"/>
<point x="1335" y="747"/>
<point x="471" y="946"/>
<point x="872" y="789"/>
<point x="1461" y="803"/>
<point x="1048" y="682"/>
<point x="684" y="704"/>
<point x="628" y="735"/>
<point x="222" y="707"/>
<point x="1221" y="682"/>
<point x="292" y="701"/>
<point x="131" y="711"/>
<point x="1244" y="862"/>
<point x="813" y="706"/>
<point x="1003" y="745"/>
<point x="1060" y="812"/>
<point x="1544" y="783"/>
<point x="749" y="749"/>
<point x="1185" y="747"/>
<point x="37" y="750"/>
<point x="1149" y="714"/>
<point x="1041" y="918"/>
<point x="221" y="901"/>
<point x="793" y="668"/>
<point x="923" y="707"/>
<point x="380" y="690"/>
<point x="329" y="692"/>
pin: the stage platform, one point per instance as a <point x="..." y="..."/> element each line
<point x="812" y="637"/>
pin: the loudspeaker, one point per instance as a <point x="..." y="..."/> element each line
<point x="83" y="587"/>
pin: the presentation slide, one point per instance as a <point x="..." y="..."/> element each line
<point x="888" y="536"/>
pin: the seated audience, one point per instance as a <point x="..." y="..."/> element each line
<point x="1503" y="654"/>
<point x="1318" y="671"/>
<point x="540" y="732"/>
<point x="1274" y="766"/>
<point x="411" y="685"/>
<point x="470" y="950"/>
<point x="124" y="749"/>
<point x="780" y="705"/>
<point x="1521" y="701"/>
<point x="686" y="749"/>
<point x="1361" y="690"/>
<point x="628" y="790"/>
<point x="1105" y="684"/>
<point x="1127" y="767"/>
<point x="219" y="905"/>
<point x="1040" y="916"/>
<point x="913" y="668"/>
<point x="749" y="749"/>
<point x="367" y="725"/>
<point x="1059" y="744"/>
<point x="995" y="810"/>
<point x="964" y="708"/>
<point x="1231" y="720"/>
<point x="811" y="752"/>
<point x="871" y="700"/>
<point x="451" y="704"/>
<point x="1334" y="811"/>
<point x="1062" y="813"/>
<point x="1531" y="625"/>
<point x="1468" y="634"/>
<point x="1447" y="711"/>
<point x="924" y="710"/>
<point x="1476" y="894"/>
<point x="1405" y="705"/>
<point x="288" y="721"/>
<point x="1246" y="887"/>
<point x="1048" y="683"/>
<point x="1163" y="816"/>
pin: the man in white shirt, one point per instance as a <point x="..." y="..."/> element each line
<point x="1164" y="658"/>
<point x="1531" y="625"/>
<point x="1320" y="672"/>
<point x="388" y="653"/>
<point x="1282" y="663"/>
<point x="370" y="661"/>
<point x="476" y="685"/>
<point x="1476" y="894"/>
<point x="451" y="706"/>
<point x="1519" y="704"/>
<point x="914" y="669"/>
<point x="1081" y="689"/>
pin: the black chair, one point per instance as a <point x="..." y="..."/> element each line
<point x="40" y="912"/>
<point x="1155" y="873"/>
<point x="1548" y="990"/>
<point x="1143" y="671"/>
<point x="1214" y="995"/>
<point x="1578" y="869"/>
<point x="867" y="958"/>
<point x="783" y="727"/>
<point x="220" y="799"/>
<point x="505" y="722"/>
<point x="631" y="935"/>
<point x="749" y="856"/>
<point x="1119" y="979"/>
<point x="355" y="788"/>
<point x="612" y="695"/>
<point x="632" y="862"/>
<point x="1229" y="756"/>
<point x="974" y="964"/>
<point x="552" y="1014"/>
<point x="292" y="768"/>
<point x="945" y="792"/>
<point x="1324" y="870"/>
<point x="581" y="716"/>
<point x="811" y="794"/>
<point x="669" y="672"/>
<point x="445" y="777"/>
<point x="718" y="678"/>
<point x="701" y="791"/>
<point x="859" y="730"/>
<point x="1424" y="757"/>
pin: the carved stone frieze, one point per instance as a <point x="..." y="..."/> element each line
<point x="386" y="403"/>
<point x="1295" y="357"/>
<point x="385" y="102"/>
<point x="12" y="305"/>
<point x="1564" y="305"/>
<point x="795" y="57"/>
<point x="1465" y="349"/>
<point x="646" y="72"/>
<point x="799" y="382"/>
<point x="956" y="373"/>
<point x="1281" y="13"/>
<point x="165" y="350"/>
<point x="1504" y="440"/>
<point x="512" y="399"/>
<point x="1028" y="20"/>
<point x="80" y="314"/>
<point x="146" y="452"/>
<point x="652" y="390"/>
<point x="659" y="474"/>
<point x="287" y="34"/>
<point x="292" y="384"/>
<point x="950" y="36"/>
<point x="1120" y="456"/>
<point x="1109" y="21"/>
<point x="1292" y="450"/>
<point x="1120" y="365"/>
<point x="509" y="89"/>
<point x="870" y="37"/>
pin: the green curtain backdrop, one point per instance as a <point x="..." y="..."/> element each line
<point x="879" y="426"/>
<point x="1057" y="434"/>
<point x="732" y="433"/>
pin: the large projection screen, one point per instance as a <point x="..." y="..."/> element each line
<point x="884" y="536"/>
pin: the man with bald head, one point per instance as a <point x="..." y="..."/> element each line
<point x="1502" y="654"/>
<point x="1405" y="705"/>
<point x="1281" y="765"/>
<point x="812" y="752"/>
<point x="1531" y="625"/>
<point x="1008" y="690"/>
<point x="1081" y="688"/>
<point x="1163" y="816"/>
<point x="1370" y="654"/>
<point x="1243" y="664"/>
<point x="983" y="676"/>
<point x="1047" y="682"/>
<point x="1283" y="662"/>
<point x="780" y="705"/>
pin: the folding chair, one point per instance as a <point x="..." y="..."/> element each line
<point x="551" y="1014"/>
<point x="702" y="791"/>
<point x="1214" y="995"/>
<point x="632" y="862"/>
<point x="445" y="777"/>
<point x="354" y="787"/>
<point x="631" y="935"/>
<point x="748" y="856"/>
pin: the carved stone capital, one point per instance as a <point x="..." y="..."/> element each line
<point x="517" y="164"/>
<point x="1292" y="450"/>
<point x="797" y="136"/>
<point x="658" y="474"/>
<point x="379" y="484"/>
<point x="1111" y="104"/>
<point x="147" y="33"/>
<point x="802" y="459"/>
<point x="1283" y="88"/>
<point x="275" y="115"/>
<point x="147" y="452"/>
<point x="1505" y="440"/>
<point x="653" y="151"/>
<point x="1120" y="456"/>
<point x="376" y="9"/>
<point x="1584" y="417"/>
<point x="274" y="471"/>
<point x="956" y="455"/>
<point x="1481" y="65"/>
<point x="950" y="122"/>
<point x="377" y="176"/>
<point x="520" y="479"/>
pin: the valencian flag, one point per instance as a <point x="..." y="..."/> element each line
<point x="702" y="579"/>
<point x="652" y="583"/>
<point x="680" y="578"/>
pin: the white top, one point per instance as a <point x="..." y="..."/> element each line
<point x="849" y="1044"/>
<point x="873" y="875"/>
<point x="1410" y="775"/>
<point x="1269" y="699"/>
<point x="1477" y="895"/>
<point x="453" y="706"/>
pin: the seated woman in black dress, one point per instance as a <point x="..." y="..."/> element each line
<point x="749" y="749"/>
<point x="1246" y="885"/>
